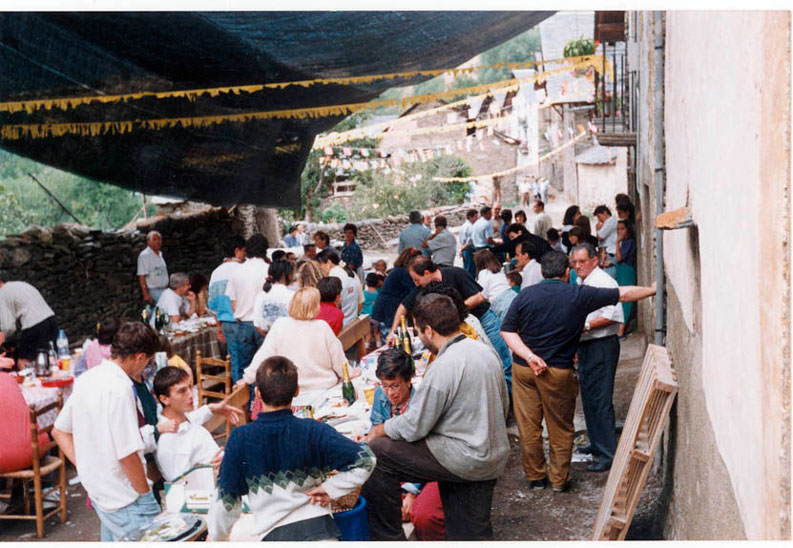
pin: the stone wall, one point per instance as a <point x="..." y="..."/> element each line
<point x="376" y="233"/>
<point x="86" y="275"/>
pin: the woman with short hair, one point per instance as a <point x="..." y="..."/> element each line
<point x="308" y="342"/>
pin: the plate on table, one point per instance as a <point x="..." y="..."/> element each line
<point x="171" y="527"/>
<point x="56" y="382"/>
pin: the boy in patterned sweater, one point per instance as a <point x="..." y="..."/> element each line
<point x="282" y="464"/>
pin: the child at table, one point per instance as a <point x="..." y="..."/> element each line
<point x="515" y="280"/>
<point x="191" y="444"/>
<point x="373" y="283"/>
<point x="282" y="462"/>
<point x="329" y="299"/>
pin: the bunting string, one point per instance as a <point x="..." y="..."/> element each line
<point x="39" y="131"/>
<point x="65" y="103"/>
<point x="515" y="169"/>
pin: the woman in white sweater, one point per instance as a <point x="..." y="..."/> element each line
<point x="495" y="287"/>
<point x="310" y="344"/>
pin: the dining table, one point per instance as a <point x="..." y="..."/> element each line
<point x="190" y="336"/>
<point x="40" y="392"/>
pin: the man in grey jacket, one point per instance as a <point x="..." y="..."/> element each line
<point x="454" y="432"/>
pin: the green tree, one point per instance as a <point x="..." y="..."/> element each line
<point x="519" y="49"/>
<point x="413" y="189"/>
<point x="98" y="205"/>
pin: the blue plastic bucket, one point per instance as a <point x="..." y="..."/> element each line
<point x="354" y="523"/>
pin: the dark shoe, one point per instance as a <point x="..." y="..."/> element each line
<point x="538" y="484"/>
<point x="599" y="466"/>
<point x="565" y="486"/>
<point x="585" y="450"/>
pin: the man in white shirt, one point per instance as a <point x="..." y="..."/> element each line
<point x="178" y="302"/>
<point x="542" y="221"/>
<point x="97" y="430"/>
<point x="191" y="444"/>
<point x="466" y="243"/>
<point x="245" y="283"/>
<point x="598" y="354"/>
<point x="152" y="272"/>
<point x="482" y="231"/>
<point x="527" y="263"/>
<point x="606" y="230"/>
<point x="351" y="290"/>
<point x="218" y="302"/>
<point x="524" y="189"/>
<point x="495" y="220"/>
<point x="20" y="301"/>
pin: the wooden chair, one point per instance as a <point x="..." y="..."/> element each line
<point x="239" y="398"/>
<point x="42" y="466"/>
<point x="355" y="334"/>
<point x="212" y="376"/>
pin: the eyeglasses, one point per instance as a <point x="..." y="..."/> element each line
<point x="581" y="261"/>
<point x="392" y="386"/>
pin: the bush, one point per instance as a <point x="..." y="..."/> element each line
<point x="413" y="189"/>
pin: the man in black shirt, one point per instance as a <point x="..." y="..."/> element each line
<point x="423" y="271"/>
<point x="542" y="328"/>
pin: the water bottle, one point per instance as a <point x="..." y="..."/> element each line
<point x="63" y="344"/>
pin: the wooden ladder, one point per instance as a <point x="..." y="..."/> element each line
<point x="647" y="417"/>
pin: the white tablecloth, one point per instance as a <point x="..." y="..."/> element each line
<point x="39" y="396"/>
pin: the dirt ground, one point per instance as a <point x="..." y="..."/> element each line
<point x="518" y="513"/>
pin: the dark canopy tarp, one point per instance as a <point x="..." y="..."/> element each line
<point x="50" y="55"/>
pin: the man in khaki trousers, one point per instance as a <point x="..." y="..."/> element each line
<point x="542" y="328"/>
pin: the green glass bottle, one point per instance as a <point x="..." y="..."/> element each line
<point x="347" y="389"/>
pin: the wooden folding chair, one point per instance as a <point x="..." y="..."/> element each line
<point x="213" y="378"/>
<point x="42" y="466"/>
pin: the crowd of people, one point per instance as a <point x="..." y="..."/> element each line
<point x="531" y="319"/>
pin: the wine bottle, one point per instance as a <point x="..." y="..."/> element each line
<point x="406" y="337"/>
<point x="347" y="389"/>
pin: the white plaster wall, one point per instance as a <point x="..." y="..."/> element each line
<point x="597" y="184"/>
<point x="727" y="129"/>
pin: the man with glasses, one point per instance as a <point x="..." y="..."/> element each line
<point x="598" y="354"/>
<point x="454" y="432"/>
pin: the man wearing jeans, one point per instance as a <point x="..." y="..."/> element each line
<point x="454" y="432"/>
<point x="466" y="243"/>
<point x="98" y="431"/>
<point x="245" y="283"/>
